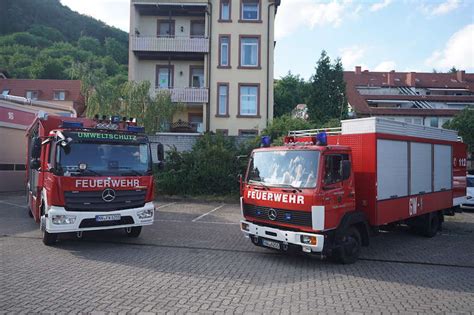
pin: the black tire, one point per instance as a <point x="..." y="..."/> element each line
<point x="349" y="245"/>
<point x="49" y="239"/>
<point x="432" y="225"/>
<point x="134" y="231"/>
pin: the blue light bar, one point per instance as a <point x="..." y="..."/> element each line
<point x="135" y="129"/>
<point x="265" y="141"/>
<point x="115" y="119"/>
<point x="322" y="138"/>
<point x="72" y="124"/>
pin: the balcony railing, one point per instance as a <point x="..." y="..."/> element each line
<point x="187" y="95"/>
<point x="170" y="44"/>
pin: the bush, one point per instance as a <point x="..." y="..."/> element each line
<point x="210" y="168"/>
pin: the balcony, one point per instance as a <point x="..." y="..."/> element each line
<point x="170" y="44"/>
<point x="186" y="95"/>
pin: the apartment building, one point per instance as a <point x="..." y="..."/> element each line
<point x="429" y="99"/>
<point x="215" y="57"/>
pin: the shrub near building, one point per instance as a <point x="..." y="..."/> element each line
<point x="210" y="168"/>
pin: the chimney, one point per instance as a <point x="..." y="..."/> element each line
<point x="358" y="70"/>
<point x="391" y="78"/>
<point x="410" y="80"/>
<point x="460" y="74"/>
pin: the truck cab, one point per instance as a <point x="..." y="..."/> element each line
<point x="294" y="196"/>
<point x="87" y="175"/>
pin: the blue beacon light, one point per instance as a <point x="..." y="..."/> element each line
<point x="265" y="142"/>
<point x="72" y="124"/>
<point x="322" y="138"/>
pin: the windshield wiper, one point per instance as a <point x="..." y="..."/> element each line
<point x="289" y="186"/>
<point x="135" y="172"/>
<point x="251" y="181"/>
<point x="87" y="170"/>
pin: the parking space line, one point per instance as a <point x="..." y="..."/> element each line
<point x="165" y="205"/>
<point x="205" y="222"/>
<point x="203" y="215"/>
<point x="12" y="204"/>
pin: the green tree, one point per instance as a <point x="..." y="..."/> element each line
<point x="49" y="33"/>
<point x="91" y="44"/>
<point x="116" y="50"/>
<point x="289" y="91"/>
<point x="132" y="99"/>
<point x="48" y="68"/>
<point x="327" y="98"/>
<point x="464" y="124"/>
<point x="453" y="70"/>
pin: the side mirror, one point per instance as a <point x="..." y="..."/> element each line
<point x="35" y="164"/>
<point x="346" y="169"/>
<point x="160" y="152"/>
<point x="36" y="148"/>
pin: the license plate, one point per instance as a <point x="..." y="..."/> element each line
<point x="270" y="244"/>
<point x="107" y="217"/>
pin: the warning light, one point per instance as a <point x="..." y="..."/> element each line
<point x="322" y="138"/>
<point x="266" y="140"/>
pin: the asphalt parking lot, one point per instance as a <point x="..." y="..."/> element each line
<point x="194" y="259"/>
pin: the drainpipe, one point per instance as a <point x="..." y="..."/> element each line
<point x="268" y="61"/>
<point x="169" y="55"/>
<point x="209" y="62"/>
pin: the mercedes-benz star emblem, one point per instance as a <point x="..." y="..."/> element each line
<point x="272" y="214"/>
<point x="108" y="195"/>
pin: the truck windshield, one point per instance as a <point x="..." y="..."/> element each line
<point x="284" y="168"/>
<point x="98" y="159"/>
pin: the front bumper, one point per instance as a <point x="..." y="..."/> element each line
<point x="468" y="206"/>
<point x="283" y="236"/>
<point x="89" y="217"/>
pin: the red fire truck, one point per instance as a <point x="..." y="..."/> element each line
<point x="325" y="192"/>
<point x="89" y="174"/>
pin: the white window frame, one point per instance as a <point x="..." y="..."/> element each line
<point x="223" y="4"/>
<point x="225" y="87"/>
<point x="255" y="46"/>
<point x="32" y="94"/>
<point x="242" y="96"/>
<point x="227" y="55"/>
<point x="242" y="10"/>
<point x="57" y="95"/>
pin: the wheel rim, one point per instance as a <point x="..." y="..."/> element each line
<point x="351" y="245"/>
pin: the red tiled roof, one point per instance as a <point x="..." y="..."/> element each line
<point x="46" y="88"/>
<point x="402" y="79"/>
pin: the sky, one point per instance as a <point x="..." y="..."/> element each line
<point x="379" y="35"/>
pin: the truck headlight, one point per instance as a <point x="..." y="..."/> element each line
<point x="60" y="219"/>
<point x="310" y="240"/>
<point x="145" y="214"/>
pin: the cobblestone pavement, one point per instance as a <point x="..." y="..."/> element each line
<point x="195" y="260"/>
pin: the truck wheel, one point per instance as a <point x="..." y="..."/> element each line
<point x="349" y="247"/>
<point x="49" y="239"/>
<point x="133" y="231"/>
<point x="432" y="225"/>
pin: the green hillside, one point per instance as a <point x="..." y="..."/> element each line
<point x="42" y="39"/>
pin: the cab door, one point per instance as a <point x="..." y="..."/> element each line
<point x="33" y="174"/>
<point x="337" y="187"/>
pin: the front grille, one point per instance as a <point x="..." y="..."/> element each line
<point x="92" y="200"/>
<point x="300" y="218"/>
<point x="89" y="223"/>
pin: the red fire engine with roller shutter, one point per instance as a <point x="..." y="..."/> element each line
<point x="326" y="191"/>
<point x="89" y="174"/>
